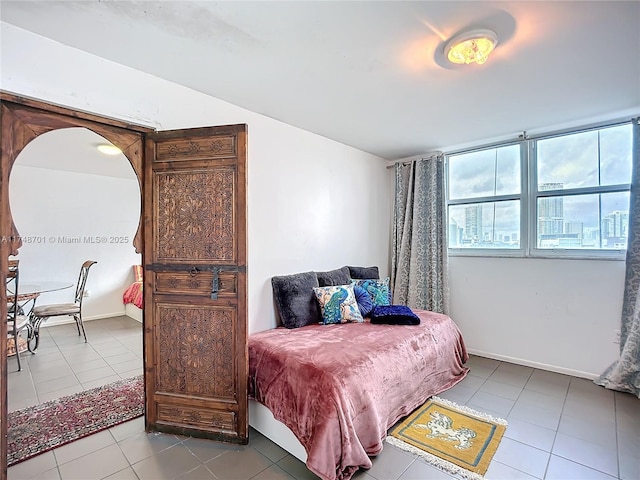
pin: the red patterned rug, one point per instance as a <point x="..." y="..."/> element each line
<point x="38" y="429"/>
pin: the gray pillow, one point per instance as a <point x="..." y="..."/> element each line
<point x="339" y="276"/>
<point x="295" y="300"/>
<point x="363" y="273"/>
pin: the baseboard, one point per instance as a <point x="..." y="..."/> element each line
<point x="52" y="322"/>
<point x="541" y="366"/>
<point x="103" y="315"/>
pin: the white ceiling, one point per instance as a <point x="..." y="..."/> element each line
<point x="74" y="150"/>
<point x="371" y="74"/>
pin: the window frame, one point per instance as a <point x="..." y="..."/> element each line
<point x="528" y="197"/>
<point x="484" y="252"/>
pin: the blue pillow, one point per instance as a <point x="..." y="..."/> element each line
<point x="365" y="304"/>
<point x="377" y="289"/>
<point x="394" y="315"/>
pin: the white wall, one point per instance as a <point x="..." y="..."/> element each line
<point x="554" y="314"/>
<point x="56" y="212"/>
<point x="314" y="204"/>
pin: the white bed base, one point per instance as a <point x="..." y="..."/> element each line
<point x="130" y="310"/>
<point x="261" y="418"/>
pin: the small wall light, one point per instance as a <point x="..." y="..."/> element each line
<point x="109" y="149"/>
<point x="472" y="46"/>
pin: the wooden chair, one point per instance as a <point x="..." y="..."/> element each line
<point x="43" y="312"/>
<point x="16" y="322"/>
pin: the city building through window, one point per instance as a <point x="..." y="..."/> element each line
<point x="561" y="194"/>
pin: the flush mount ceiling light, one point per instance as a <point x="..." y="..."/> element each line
<point x="109" y="149"/>
<point x="472" y="46"/>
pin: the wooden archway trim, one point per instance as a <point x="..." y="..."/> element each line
<point x="68" y="112"/>
<point x="25" y="119"/>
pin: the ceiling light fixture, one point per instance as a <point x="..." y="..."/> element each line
<point x="472" y="46"/>
<point x="109" y="149"/>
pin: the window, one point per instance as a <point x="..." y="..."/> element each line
<point x="485" y="193"/>
<point x="555" y="195"/>
<point x="582" y="189"/>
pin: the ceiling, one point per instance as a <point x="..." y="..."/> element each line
<point x="371" y="74"/>
<point x="75" y="150"/>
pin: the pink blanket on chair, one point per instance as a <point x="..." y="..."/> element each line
<point x="340" y="387"/>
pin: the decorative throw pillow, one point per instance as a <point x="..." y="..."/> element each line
<point x="363" y="272"/>
<point x="339" y="276"/>
<point x="338" y="304"/>
<point x="365" y="304"/>
<point x="295" y="300"/>
<point x="377" y="289"/>
<point x="394" y="315"/>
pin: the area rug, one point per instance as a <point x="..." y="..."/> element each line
<point x="454" y="438"/>
<point x="11" y="346"/>
<point x="38" y="429"/>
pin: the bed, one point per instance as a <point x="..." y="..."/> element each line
<point x="132" y="296"/>
<point x="332" y="391"/>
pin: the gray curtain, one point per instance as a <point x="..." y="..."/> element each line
<point x="624" y="374"/>
<point x="419" y="261"/>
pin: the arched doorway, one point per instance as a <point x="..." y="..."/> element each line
<point x="194" y="197"/>
<point x="66" y="197"/>
<point x="22" y="122"/>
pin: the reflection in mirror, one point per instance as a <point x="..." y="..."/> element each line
<point x="71" y="203"/>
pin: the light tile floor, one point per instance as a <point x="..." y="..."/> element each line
<point x="560" y="427"/>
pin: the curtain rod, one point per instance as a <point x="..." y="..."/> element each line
<point x="396" y="163"/>
<point x="417" y="157"/>
<point x="521" y="136"/>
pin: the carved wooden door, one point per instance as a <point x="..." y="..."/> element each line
<point x="195" y="283"/>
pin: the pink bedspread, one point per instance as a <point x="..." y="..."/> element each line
<point x="133" y="293"/>
<point x="340" y="387"/>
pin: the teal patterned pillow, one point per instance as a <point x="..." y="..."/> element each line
<point x="338" y="304"/>
<point x="378" y="290"/>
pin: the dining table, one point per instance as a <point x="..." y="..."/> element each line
<point x="28" y="293"/>
<point x="37" y="287"/>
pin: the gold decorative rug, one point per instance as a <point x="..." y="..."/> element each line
<point x="454" y="438"/>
